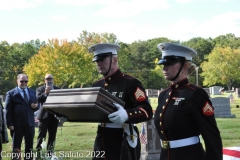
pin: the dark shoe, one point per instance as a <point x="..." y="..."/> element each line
<point x="16" y="154"/>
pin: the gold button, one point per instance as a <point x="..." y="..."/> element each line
<point x="176" y="86"/>
<point x="140" y="112"/>
<point x="166" y="100"/>
<point x="106" y="84"/>
<point x="135" y="112"/>
<point x="169" y="93"/>
<point x="160" y="114"/>
<point x="130" y="114"/>
<point x="106" y="90"/>
<point x="163" y="107"/>
<point x="160" y="123"/>
<point x="109" y="78"/>
<point x="162" y="132"/>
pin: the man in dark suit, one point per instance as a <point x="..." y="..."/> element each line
<point x="47" y="121"/>
<point x="20" y="104"/>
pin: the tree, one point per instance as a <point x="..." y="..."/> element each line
<point x="221" y="66"/>
<point x="143" y="55"/>
<point x="124" y="57"/>
<point x="69" y="63"/>
<point x="228" y="40"/>
<point x="203" y="47"/>
<point x="5" y="82"/>
<point x="88" y="39"/>
<point x="13" y="58"/>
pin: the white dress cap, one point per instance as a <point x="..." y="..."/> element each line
<point x="104" y="48"/>
<point x="173" y="49"/>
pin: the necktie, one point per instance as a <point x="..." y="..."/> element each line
<point x="25" y="96"/>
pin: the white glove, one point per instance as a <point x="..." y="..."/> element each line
<point x="61" y="119"/>
<point x="120" y="116"/>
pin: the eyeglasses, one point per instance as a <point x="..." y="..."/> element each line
<point x="48" y="79"/>
<point x="24" y="81"/>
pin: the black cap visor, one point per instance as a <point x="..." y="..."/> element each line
<point x="101" y="57"/>
<point x="168" y="60"/>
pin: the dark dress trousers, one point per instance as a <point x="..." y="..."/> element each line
<point x="20" y="114"/>
<point x="47" y="121"/>
<point x="3" y="128"/>
<point x="131" y="91"/>
<point x="185" y="110"/>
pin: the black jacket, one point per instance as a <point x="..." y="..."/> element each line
<point x="131" y="91"/>
<point x="41" y="97"/>
<point x="185" y="110"/>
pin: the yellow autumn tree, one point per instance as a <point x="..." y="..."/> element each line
<point x="69" y="63"/>
<point x="221" y="66"/>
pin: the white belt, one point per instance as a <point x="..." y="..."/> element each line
<point x="179" y="143"/>
<point x="111" y="125"/>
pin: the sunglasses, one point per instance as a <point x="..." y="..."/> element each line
<point x="48" y="79"/>
<point x="24" y="81"/>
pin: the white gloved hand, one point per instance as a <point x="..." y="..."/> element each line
<point x="61" y="119"/>
<point x="120" y="116"/>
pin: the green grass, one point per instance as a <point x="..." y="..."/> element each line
<point x="230" y="127"/>
<point x="74" y="139"/>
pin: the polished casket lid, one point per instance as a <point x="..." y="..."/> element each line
<point x="82" y="104"/>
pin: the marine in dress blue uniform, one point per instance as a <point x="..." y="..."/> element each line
<point x="129" y="89"/>
<point x="184" y="111"/>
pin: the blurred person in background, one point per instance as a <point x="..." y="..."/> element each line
<point x="48" y="122"/>
<point x="3" y="128"/>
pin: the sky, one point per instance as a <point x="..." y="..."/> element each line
<point x="130" y="20"/>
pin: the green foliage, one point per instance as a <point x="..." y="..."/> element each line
<point x="203" y="47"/>
<point x="228" y="40"/>
<point x="145" y="52"/>
<point x="137" y="59"/>
<point x="13" y="58"/>
<point x="88" y="39"/>
<point x="143" y="56"/>
<point x="124" y="57"/>
<point x="69" y="63"/>
<point x="220" y="66"/>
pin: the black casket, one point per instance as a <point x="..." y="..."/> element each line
<point x="82" y="104"/>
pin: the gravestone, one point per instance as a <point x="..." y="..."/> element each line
<point x="151" y="150"/>
<point x="215" y="90"/>
<point x="152" y="92"/>
<point x="237" y="92"/>
<point x="222" y="107"/>
<point x="155" y="92"/>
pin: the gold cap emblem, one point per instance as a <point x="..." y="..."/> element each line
<point x="162" y="46"/>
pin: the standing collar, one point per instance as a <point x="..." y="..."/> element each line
<point x="179" y="84"/>
<point x="113" y="76"/>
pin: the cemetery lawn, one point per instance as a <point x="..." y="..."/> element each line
<point x="77" y="139"/>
